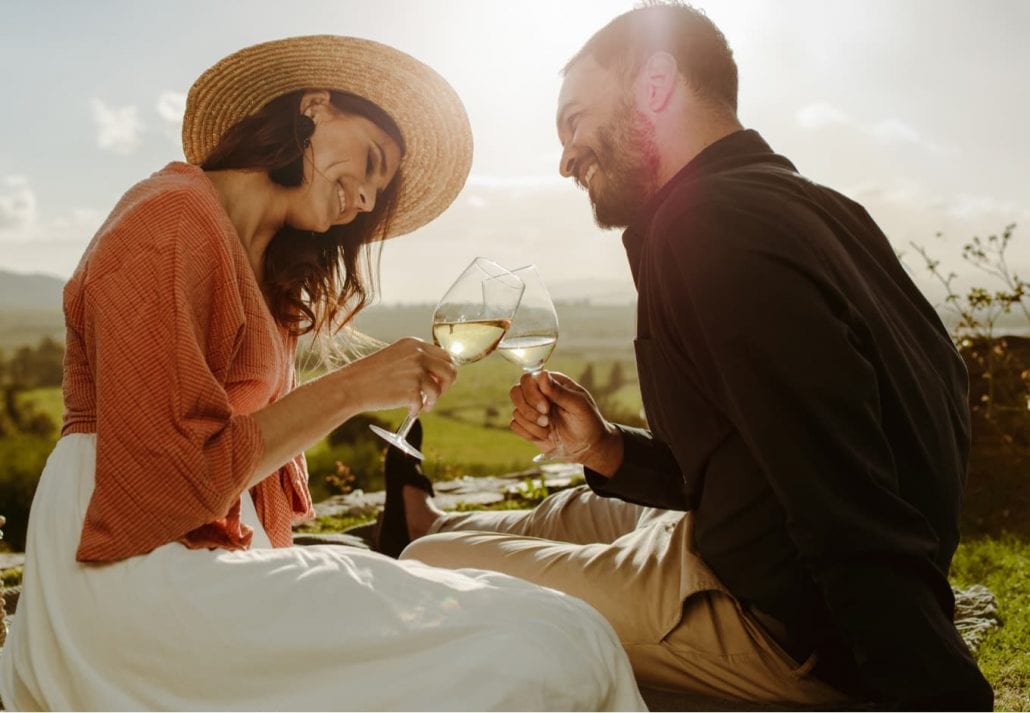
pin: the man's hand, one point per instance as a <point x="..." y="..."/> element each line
<point x="550" y="399"/>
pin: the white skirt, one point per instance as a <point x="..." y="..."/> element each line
<point x="299" y="628"/>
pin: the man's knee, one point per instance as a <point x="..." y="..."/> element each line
<point x="439" y="550"/>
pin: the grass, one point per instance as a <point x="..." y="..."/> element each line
<point x="11" y="577"/>
<point x="1002" y="564"/>
<point x="467" y="432"/>
<point x="331" y="523"/>
<point x="49" y="400"/>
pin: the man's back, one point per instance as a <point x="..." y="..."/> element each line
<point x="810" y="396"/>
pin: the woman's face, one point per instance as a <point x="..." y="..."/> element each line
<point x="350" y="160"/>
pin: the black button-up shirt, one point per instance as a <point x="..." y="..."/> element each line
<point x="806" y="402"/>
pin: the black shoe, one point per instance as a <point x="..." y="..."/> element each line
<point x="399" y="470"/>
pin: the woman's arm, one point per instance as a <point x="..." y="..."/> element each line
<point x="398" y="375"/>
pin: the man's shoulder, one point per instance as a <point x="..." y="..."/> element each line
<point x="733" y="203"/>
<point x="753" y="185"/>
<point x="738" y="205"/>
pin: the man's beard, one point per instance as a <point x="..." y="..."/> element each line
<point x="628" y="158"/>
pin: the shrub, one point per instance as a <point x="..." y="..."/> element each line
<point x="351" y="446"/>
<point x="998" y="491"/>
<point x="22" y="458"/>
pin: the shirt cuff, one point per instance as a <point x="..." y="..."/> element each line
<point x="647" y="476"/>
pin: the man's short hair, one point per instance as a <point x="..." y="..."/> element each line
<point x="701" y="51"/>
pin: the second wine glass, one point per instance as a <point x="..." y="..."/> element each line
<point x="531" y="339"/>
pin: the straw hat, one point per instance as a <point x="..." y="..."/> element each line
<point x="425" y="107"/>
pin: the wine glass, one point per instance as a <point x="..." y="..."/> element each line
<point x="531" y="339"/>
<point x="468" y="322"/>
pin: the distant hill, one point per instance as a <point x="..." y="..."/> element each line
<point x="30" y="309"/>
<point x="30" y="291"/>
<point x="595" y="290"/>
<point x="585" y="327"/>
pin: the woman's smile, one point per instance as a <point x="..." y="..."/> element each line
<point x="341" y="195"/>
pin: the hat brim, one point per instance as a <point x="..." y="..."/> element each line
<point x="426" y="109"/>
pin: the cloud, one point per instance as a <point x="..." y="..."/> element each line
<point x="17" y="206"/>
<point x="895" y="130"/>
<point x="24" y="224"/>
<point x="170" y="107"/>
<point x="820" y="115"/>
<point x="77" y="223"/>
<point x="118" y="128"/>
<point x="972" y="207"/>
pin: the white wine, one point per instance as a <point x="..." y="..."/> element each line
<point x="470" y="341"/>
<point x="529" y="352"/>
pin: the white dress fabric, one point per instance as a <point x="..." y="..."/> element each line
<point x="299" y="628"/>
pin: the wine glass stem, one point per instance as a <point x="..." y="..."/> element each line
<point x="559" y="445"/>
<point x="407" y="423"/>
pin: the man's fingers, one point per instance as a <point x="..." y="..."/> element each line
<point x="559" y="389"/>
<point x="538" y="436"/>
<point x="532" y="393"/>
<point x="531" y="424"/>
<point x="524" y="408"/>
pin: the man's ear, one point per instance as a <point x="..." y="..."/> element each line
<point x="657" y="81"/>
<point x="314" y="102"/>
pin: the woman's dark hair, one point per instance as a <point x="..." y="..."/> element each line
<point x="314" y="282"/>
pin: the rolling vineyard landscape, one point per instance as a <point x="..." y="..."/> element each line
<point x="467" y="433"/>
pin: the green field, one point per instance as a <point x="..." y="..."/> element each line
<point x="467" y="432"/>
<point x="49" y="400"/>
<point x="20" y="327"/>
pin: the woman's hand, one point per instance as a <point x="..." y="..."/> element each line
<point x="551" y="399"/>
<point x="408" y="372"/>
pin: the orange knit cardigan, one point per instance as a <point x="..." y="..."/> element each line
<point x="170" y="348"/>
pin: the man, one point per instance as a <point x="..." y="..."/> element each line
<point x="807" y="410"/>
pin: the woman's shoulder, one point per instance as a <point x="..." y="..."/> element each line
<point x="174" y="210"/>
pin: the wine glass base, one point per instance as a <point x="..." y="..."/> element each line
<point x="544" y="458"/>
<point x="398" y="442"/>
<point x="558" y="454"/>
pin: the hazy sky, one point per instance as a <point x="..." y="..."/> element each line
<point x="917" y="108"/>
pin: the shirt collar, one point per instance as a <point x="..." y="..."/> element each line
<point x="741" y="148"/>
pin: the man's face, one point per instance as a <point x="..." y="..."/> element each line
<point x="608" y="146"/>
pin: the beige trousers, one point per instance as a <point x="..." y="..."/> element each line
<point x="681" y="628"/>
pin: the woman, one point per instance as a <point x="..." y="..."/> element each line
<point x="159" y="572"/>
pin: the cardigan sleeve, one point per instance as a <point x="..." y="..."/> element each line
<point x="172" y="456"/>
<point x="284" y="499"/>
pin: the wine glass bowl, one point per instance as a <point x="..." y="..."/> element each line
<point x="530" y="341"/>
<point x="533" y="332"/>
